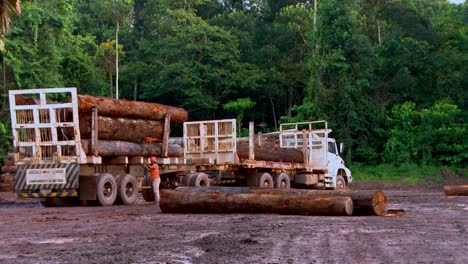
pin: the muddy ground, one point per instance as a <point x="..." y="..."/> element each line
<point x="433" y="229"/>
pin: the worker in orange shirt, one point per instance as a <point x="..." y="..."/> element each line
<point x="153" y="169"/>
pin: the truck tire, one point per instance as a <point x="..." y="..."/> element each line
<point x="264" y="180"/>
<point x="106" y="190"/>
<point x="147" y="193"/>
<point x="340" y="183"/>
<point x="127" y="189"/>
<point x="282" y="181"/>
<point x="200" y="180"/>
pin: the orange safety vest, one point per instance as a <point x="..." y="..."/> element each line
<point x="154" y="171"/>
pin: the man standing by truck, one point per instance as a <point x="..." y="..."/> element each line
<point x="153" y="169"/>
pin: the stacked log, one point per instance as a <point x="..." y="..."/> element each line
<point x="130" y="109"/>
<point x="270" y="153"/>
<point x="364" y="202"/>
<point x="456" y="190"/>
<point x="7" y="177"/>
<point x="228" y="203"/>
<point x="118" y="128"/>
<point x="109" y="148"/>
<point x="123" y="126"/>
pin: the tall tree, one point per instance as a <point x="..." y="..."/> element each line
<point x="7" y="7"/>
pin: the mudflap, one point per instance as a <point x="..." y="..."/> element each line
<point x="88" y="184"/>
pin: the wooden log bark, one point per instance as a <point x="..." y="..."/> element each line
<point x="109" y="148"/>
<point x="456" y="190"/>
<point x="9" y="169"/>
<point x="270" y="153"/>
<point x="8" y="178"/>
<point x="118" y="128"/>
<point x="252" y="203"/>
<point x="130" y="109"/>
<point x="364" y="202"/>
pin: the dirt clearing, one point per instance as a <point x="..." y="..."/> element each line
<point x="426" y="227"/>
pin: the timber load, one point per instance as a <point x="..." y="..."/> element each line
<point x="456" y="190"/>
<point x="110" y="148"/>
<point x="270" y="153"/>
<point x="364" y="202"/>
<point x="130" y="109"/>
<point x="119" y="128"/>
<point x="8" y="175"/>
<point x="253" y="203"/>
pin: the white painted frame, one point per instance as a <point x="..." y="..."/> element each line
<point x="216" y="155"/>
<point x="53" y="124"/>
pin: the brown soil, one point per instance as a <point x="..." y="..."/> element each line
<point x="422" y="226"/>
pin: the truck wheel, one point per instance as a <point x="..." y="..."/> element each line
<point x="282" y="181"/>
<point x="127" y="189"/>
<point x="106" y="189"/>
<point x="264" y="180"/>
<point x="200" y="180"/>
<point x="147" y="193"/>
<point x="340" y="183"/>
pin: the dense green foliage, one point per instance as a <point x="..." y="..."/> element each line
<point x="389" y="75"/>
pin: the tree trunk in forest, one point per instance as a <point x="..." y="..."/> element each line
<point x="252" y="203"/>
<point x="270" y="153"/>
<point x="456" y="190"/>
<point x="117" y="128"/>
<point x="110" y="148"/>
<point x="364" y="202"/>
<point x="131" y="109"/>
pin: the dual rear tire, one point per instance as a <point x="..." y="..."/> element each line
<point x="124" y="190"/>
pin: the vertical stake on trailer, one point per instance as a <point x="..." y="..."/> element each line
<point x="251" y="141"/>
<point x="166" y="133"/>
<point x="304" y="147"/>
<point x="260" y="138"/>
<point x="94" y="131"/>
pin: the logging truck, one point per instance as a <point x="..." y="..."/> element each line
<point x="300" y="155"/>
<point x="71" y="147"/>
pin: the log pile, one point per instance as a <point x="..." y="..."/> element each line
<point x="456" y="190"/>
<point x="8" y="173"/>
<point x="279" y="201"/>
<point x="127" y="128"/>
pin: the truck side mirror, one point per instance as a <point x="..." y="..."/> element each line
<point x="342" y="148"/>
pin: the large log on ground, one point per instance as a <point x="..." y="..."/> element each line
<point x="252" y="203"/>
<point x="108" y="148"/>
<point x="130" y="109"/>
<point x="364" y="202"/>
<point x="270" y="153"/>
<point x="118" y="128"/>
<point x="456" y="190"/>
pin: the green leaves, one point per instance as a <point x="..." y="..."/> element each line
<point x="429" y="136"/>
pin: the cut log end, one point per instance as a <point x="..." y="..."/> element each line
<point x="379" y="203"/>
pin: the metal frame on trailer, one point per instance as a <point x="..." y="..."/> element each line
<point x="43" y="120"/>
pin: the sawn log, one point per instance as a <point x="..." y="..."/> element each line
<point x="9" y="169"/>
<point x="364" y="202"/>
<point x="130" y="109"/>
<point x="252" y="203"/>
<point x="118" y="128"/>
<point x="456" y="190"/>
<point x="270" y="153"/>
<point x="108" y="148"/>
